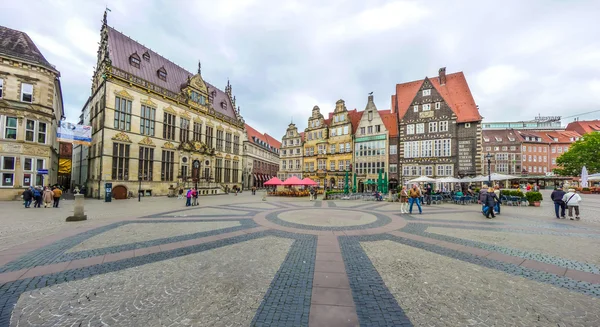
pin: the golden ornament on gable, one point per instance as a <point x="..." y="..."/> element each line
<point x="168" y="145"/>
<point x="147" y="141"/>
<point x="121" y="137"/>
<point x="124" y="94"/>
<point x="170" y="110"/>
<point x="148" y="102"/>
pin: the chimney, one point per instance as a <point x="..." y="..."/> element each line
<point x="442" y="75"/>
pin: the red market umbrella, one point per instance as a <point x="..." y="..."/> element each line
<point x="273" y="182"/>
<point x="309" y="182"/>
<point x="293" y="181"/>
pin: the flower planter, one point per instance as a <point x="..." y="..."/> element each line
<point x="536" y="204"/>
<point x="586" y="192"/>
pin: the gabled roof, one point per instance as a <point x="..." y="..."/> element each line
<point x="355" y="117"/>
<point x="563" y="136"/>
<point x="262" y="140"/>
<point x="121" y="47"/>
<point x="19" y="45"/>
<point x="505" y="136"/>
<point x="390" y="121"/>
<point x="534" y="134"/>
<point x="455" y="92"/>
<point x="584" y="126"/>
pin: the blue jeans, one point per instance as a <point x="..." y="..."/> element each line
<point x="188" y="202"/>
<point x="411" y="201"/>
<point x="560" y="206"/>
<point x="27" y="203"/>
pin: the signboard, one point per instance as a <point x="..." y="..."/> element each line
<point x="426" y="114"/>
<point x="370" y="138"/>
<point x="466" y="162"/>
<point x="77" y="134"/>
<point x="42" y="172"/>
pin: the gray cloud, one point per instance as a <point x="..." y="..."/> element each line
<point x="520" y="58"/>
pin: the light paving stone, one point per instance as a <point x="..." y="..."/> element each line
<point x="435" y="290"/>
<point x="200" y="212"/>
<point x="329" y="218"/>
<point x="140" y="232"/>
<point x="575" y="247"/>
<point x="220" y="287"/>
<point x="261" y="205"/>
<point x="348" y="204"/>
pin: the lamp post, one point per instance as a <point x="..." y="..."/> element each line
<point x="489" y="161"/>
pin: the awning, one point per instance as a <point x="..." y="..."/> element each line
<point x="255" y="177"/>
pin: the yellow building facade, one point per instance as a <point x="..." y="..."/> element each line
<point x="315" y="148"/>
<point x="157" y="127"/>
<point x="30" y="109"/>
<point x="339" y="147"/>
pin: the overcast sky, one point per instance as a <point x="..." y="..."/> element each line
<point x="521" y="58"/>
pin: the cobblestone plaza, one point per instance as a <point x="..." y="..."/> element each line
<point x="240" y="261"/>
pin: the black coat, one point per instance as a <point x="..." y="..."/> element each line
<point x="27" y="195"/>
<point x="491" y="199"/>
<point x="557" y="196"/>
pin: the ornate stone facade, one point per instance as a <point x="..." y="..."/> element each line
<point x="291" y="154"/>
<point x="156" y="122"/>
<point x="30" y="109"/>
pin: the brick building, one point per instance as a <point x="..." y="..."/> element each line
<point x="505" y="148"/>
<point x="261" y="155"/>
<point x="584" y="127"/>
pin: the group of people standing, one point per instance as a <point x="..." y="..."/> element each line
<point x="410" y="197"/>
<point x="563" y="200"/>
<point x="38" y="195"/>
<point x="191" y="196"/>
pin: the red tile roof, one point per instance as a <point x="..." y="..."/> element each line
<point x="584" y="126"/>
<point x="254" y="135"/>
<point x="302" y="136"/>
<point x="121" y="47"/>
<point x="534" y="134"/>
<point x="563" y="136"/>
<point x="355" y="117"/>
<point x="390" y="121"/>
<point x="455" y="92"/>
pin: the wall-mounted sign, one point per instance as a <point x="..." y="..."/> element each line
<point x="426" y="114"/>
<point x="466" y="153"/>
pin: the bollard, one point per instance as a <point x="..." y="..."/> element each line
<point x="78" y="212"/>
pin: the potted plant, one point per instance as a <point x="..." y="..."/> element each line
<point x="534" y="198"/>
<point x="586" y="190"/>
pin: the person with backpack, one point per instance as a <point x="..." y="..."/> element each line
<point x="27" y="196"/>
<point x="414" y="196"/>
<point x="572" y="200"/>
<point x="557" y="196"/>
<point x="37" y="195"/>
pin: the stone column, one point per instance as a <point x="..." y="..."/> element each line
<point x="78" y="212"/>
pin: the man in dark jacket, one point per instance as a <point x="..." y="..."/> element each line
<point x="557" y="197"/>
<point x="27" y="196"/>
<point x="490" y="202"/>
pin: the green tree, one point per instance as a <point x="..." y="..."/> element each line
<point x="584" y="152"/>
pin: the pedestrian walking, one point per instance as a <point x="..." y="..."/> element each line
<point x="559" y="205"/>
<point x="48" y="197"/>
<point x="403" y="200"/>
<point x="57" y="194"/>
<point x="572" y="200"/>
<point x="490" y="202"/>
<point x="37" y="195"/>
<point x="428" y="191"/>
<point x="482" y="198"/>
<point x="194" y="197"/>
<point x="253" y="190"/>
<point x="188" y="198"/>
<point x="180" y="196"/>
<point x="27" y="196"/>
<point x="414" y="196"/>
<point x="499" y="201"/>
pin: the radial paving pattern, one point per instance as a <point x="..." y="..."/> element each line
<point x="293" y="262"/>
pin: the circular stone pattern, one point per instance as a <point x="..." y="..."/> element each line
<point x="328" y="219"/>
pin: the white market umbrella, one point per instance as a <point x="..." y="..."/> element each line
<point x="422" y="179"/>
<point x="480" y="179"/>
<point x="584" y="177"/>
<point x="449" y="180"/>
<point x="594" y="178"/>
<point x="502" y="177"/>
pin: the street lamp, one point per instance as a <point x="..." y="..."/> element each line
<point x="489" y="160"/>
<point x="140" y="188"/>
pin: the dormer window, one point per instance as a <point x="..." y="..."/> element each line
<point x="485" y="139"/>
<point x="146" y="56"/>
<point x="498" y="139"/>
<point x="213" y="93"/>
<point x="426" y="92"/>
<point x="134" y="60"/>
<point x="223" y="105"/>
<point x="162" y="73"/>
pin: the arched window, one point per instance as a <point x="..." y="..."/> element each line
<point x="162" y="73"/>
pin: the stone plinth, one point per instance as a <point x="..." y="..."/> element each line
<point x="78" y="212"/>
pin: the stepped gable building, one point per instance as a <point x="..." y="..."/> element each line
<point x="155" y="122"/>
<point x="339" y="146"/>
<point x="315" y="147"/>
<point x="261" y="153"/>
<point x="439" y="127"/>
<point x="291" y="154"/>
<point x="31" y="107"/>
<point x="370" y="147"/>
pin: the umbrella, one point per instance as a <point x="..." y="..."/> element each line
<point x="273" y="182"/>
<point x="502" y="177"/>
<point x="346" y="184"/>
<point x="584" y="177"/>
<point x="450" y="180"/>
<point x="422" y="179"/>
<point x="293" y="181"/>
<point x="309" y="182"/>
<point x="594" y="178"/>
